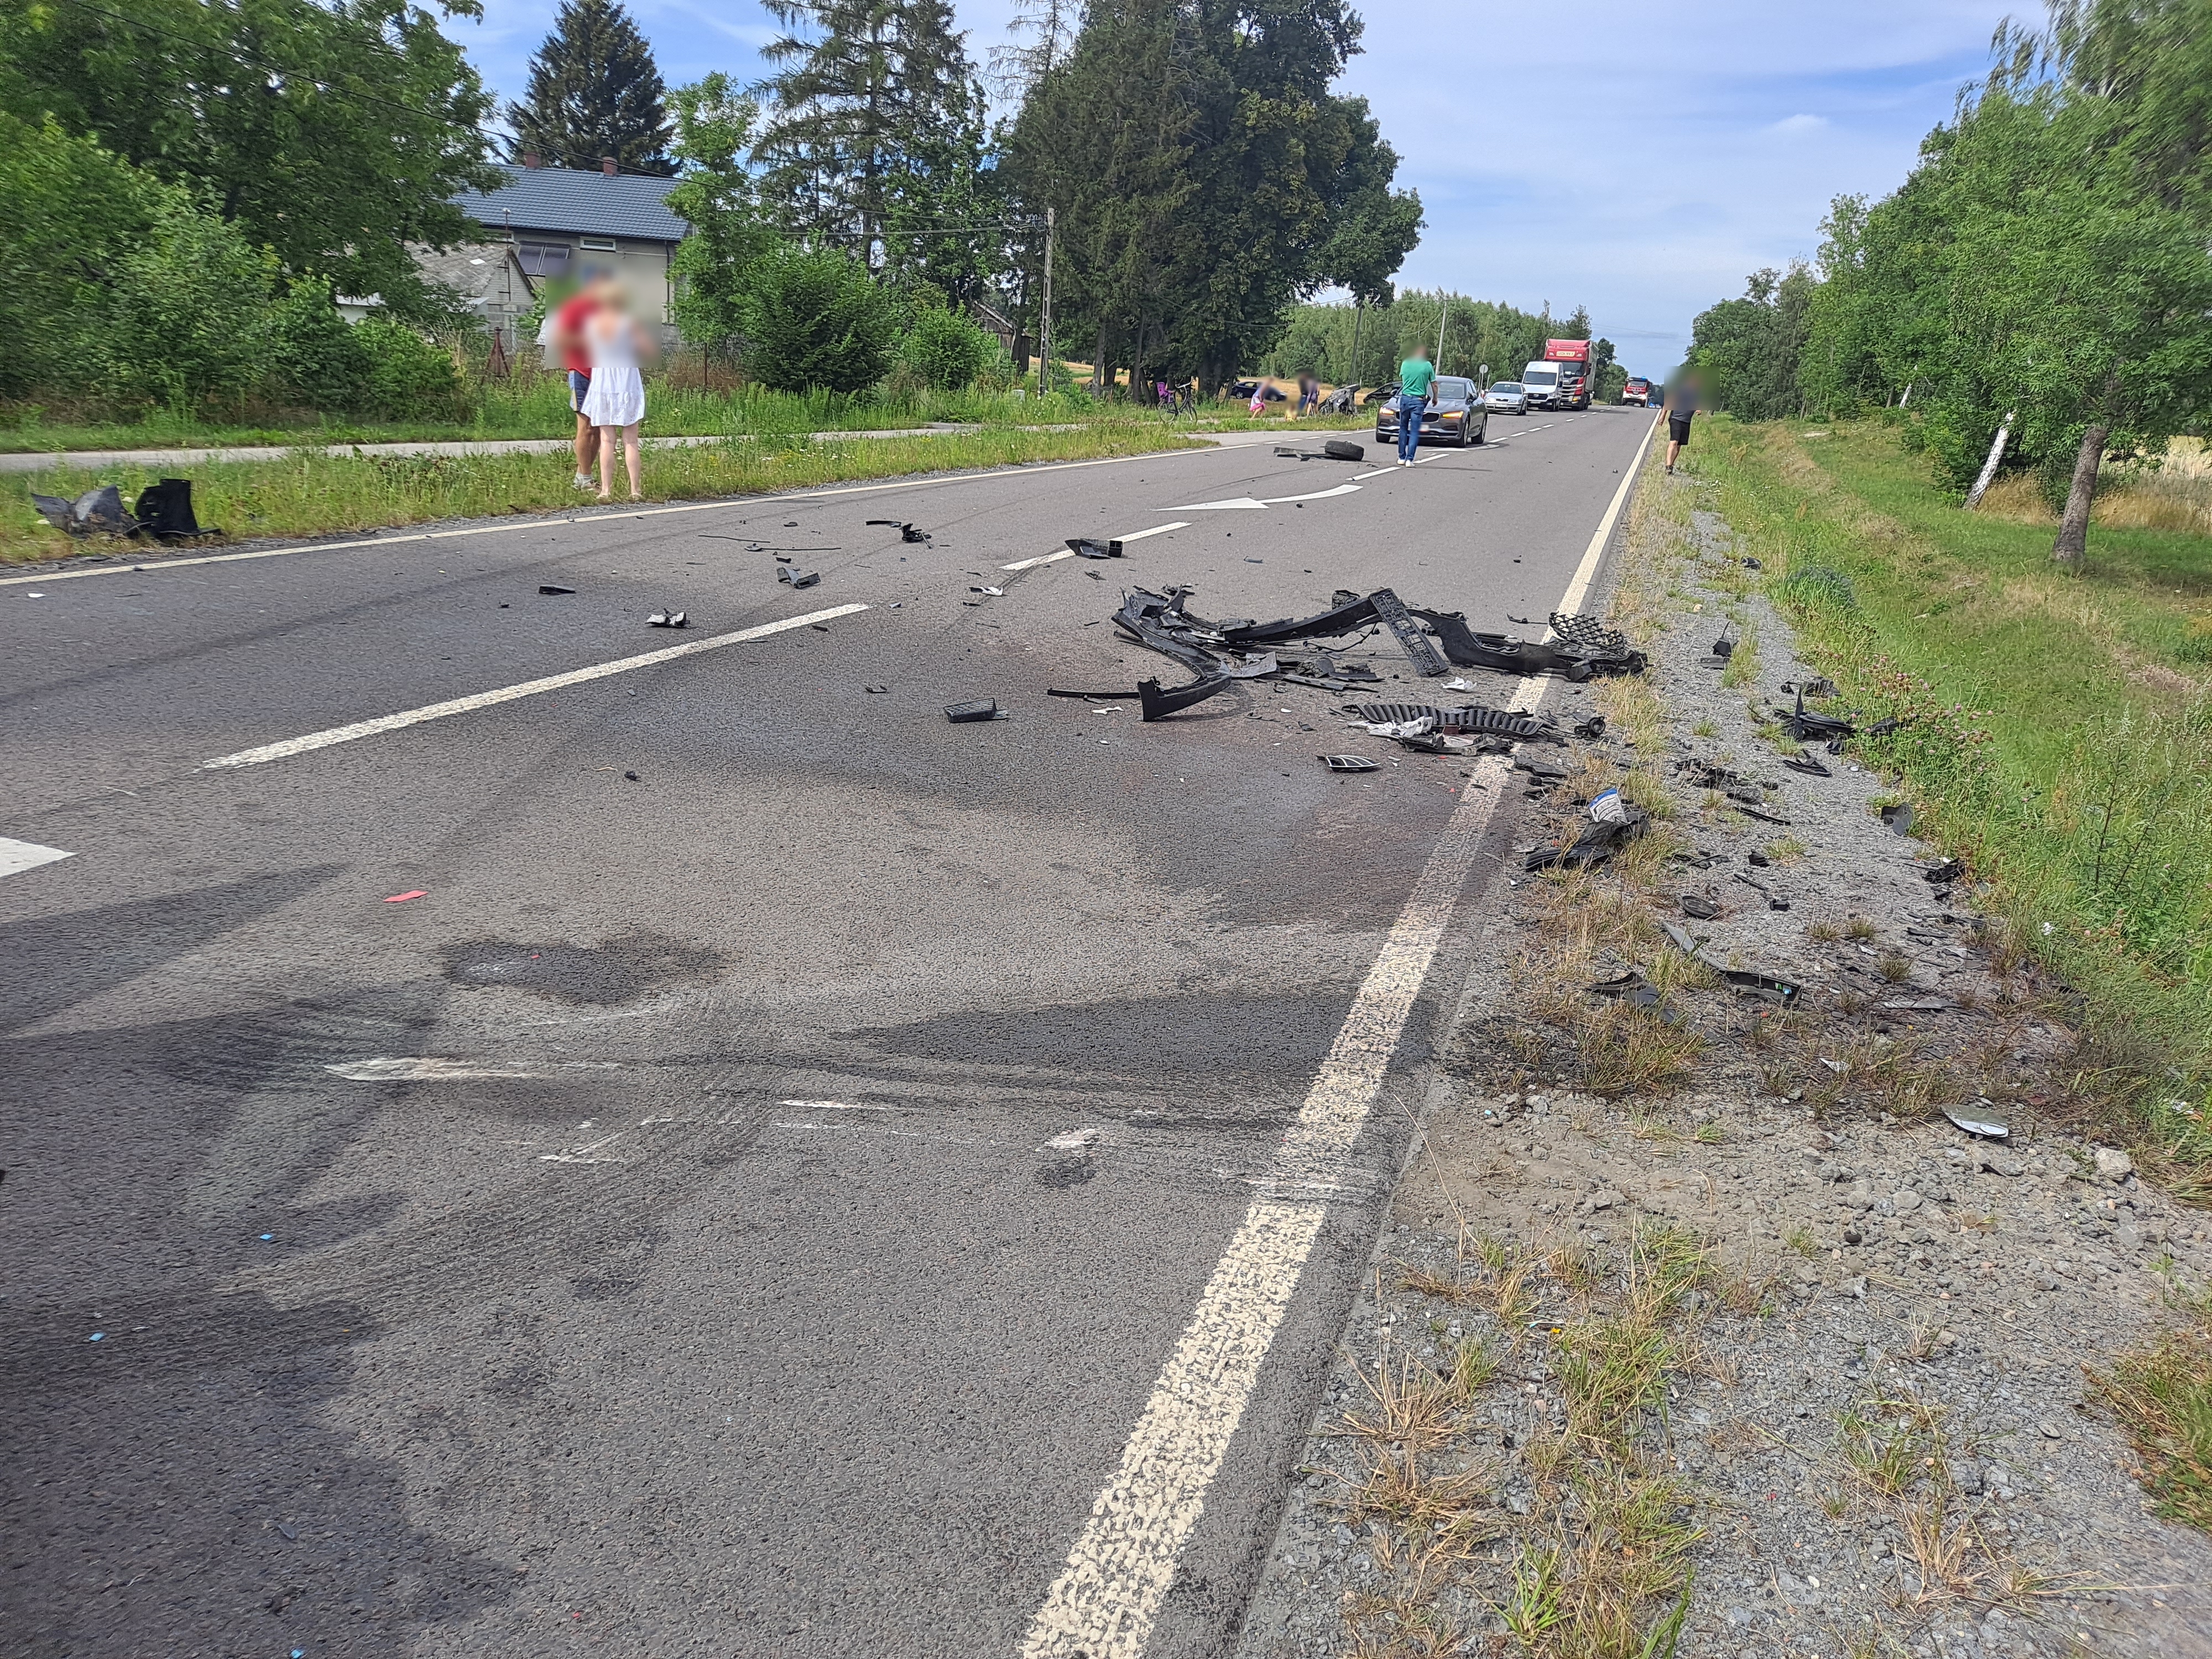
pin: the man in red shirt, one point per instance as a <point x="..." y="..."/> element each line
<point x="568" y="322"/>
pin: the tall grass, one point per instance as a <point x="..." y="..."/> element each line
<point x="310" y="493"/>
<point x="2058" y="729"/>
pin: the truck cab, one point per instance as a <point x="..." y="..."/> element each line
<point x="1572" y="359"/>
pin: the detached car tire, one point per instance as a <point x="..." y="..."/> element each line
<point x="1343" y="449"/>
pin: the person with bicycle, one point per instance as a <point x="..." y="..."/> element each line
<point x="1417" y="386"/>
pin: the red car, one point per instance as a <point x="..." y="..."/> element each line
<point x="1637" y="391"/>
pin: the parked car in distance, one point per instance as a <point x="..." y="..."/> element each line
<point x="1637" y="391"/>
<point x="1244" y="389"/>
<point x="1455" y="416"/>
<point x="1507" y="397"/>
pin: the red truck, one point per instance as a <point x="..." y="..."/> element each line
<point x="1573" y="357"/>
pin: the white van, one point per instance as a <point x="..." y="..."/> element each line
<point x="1542" y="380"/>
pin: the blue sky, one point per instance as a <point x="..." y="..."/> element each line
<point x="1637" y="159"/>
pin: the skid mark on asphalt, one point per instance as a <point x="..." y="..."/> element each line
<point x="1105" y="1601"/>
<point x="17" y="856"/>
<point x="437" y="711"/>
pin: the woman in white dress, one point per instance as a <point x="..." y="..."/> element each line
<point x="616" y="401"/>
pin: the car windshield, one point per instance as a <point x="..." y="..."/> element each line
<point x="1543" y="376"/>
<point x="1451" y="389"/>
<point x="1508" y="387"/>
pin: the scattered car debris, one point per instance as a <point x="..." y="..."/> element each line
<point x="631" y="777"/>
<point x="982" y="708"/>
<point x="1543" y="770"/>
<point x="1595" y="844"/>
<point x="1801" y="724"/>
<point x="907" y="532"/>
<point x="1492" y="722"/>
<point x="1254" y="668"/>
<point x="1336" y="449"/>
<point x="1820" y="687"/>
<point x="1752" y="564"/>
<point x="1757" y="860"/>
<point x="1750" y="812"/>
<point x="1350" y="763"/>
<point x="1593" y="728"/>
<point x="667" y="619"/>
<point x="875" y="690"/>
<point x="97" y="512"/>
<point x="554" y="588"/>
<point x="1607" y="806"/>
<point x="993" y="592"/>
<point x="1949" y="870"/>
<point x="1724" y="647"/>
<point x="1977" y="1121"/>
<point x="1696" y="905"/>
<point x="1899" y="818"/>
<point x="1419" y="651"/>
<point x="1806" y="764"/>
<point x="790" y="578"/>
<point x="1630" y="988"/>
<point x="1083" y="548"/>
<point x="1765" y="987"/>
<point x="1585" y="648"/>
<point x="1922" y="1005"/>
<point x="164" y="511"/>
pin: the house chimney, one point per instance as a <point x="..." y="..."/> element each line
<point x="530" y="158"/>
<point x="607" y="166"/>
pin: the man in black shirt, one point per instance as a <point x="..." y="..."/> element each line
<point x="1681" y="406"/>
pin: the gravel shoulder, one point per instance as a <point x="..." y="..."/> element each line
<point x="1702" y="1318"/>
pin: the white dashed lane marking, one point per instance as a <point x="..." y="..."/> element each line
<point x="17" y="856"/>
<point x="438" y="711"/>
<point x="1106" y="1599"/>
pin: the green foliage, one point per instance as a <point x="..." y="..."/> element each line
<point x="714" y="195"/>
<point x="817" y="319"/>
<point x="1476" y="332"/>
<point x="409" y="377"/>
<point x="186" y="317"/>
<point x="593" y="92"/>
<point x="1749" y="348"/>
<point x="333" y="134"/>
<point x="946" y="350"/>
<point x="877" y="140"/>
<point x="1204" y="177"/>
<point x="316" y="359"/>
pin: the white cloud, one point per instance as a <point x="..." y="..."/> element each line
<point x="1795" y="126"/>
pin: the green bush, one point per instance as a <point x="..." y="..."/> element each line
<point x="187" y="310"/>
<point x="410" y="378"/>
<point x="946" y="350"/>
<point x="816" y="320"/>
<point x="316" y="358"/>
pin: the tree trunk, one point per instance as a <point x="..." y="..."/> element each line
<point x="1099" y="382"/>
<point x="1990" y="466"/>
<point x="2072" y="546"/>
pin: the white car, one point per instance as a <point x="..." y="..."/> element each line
<point x="1541" y="382"/>
<point x="1507" y="397"/>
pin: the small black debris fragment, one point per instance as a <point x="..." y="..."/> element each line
<point x="1630" y="988"/>
<point x="1883" y="727"/>
<point x="983" y="708"/>
<point x="1592" y="728"/>
<point x="793" y="579"/>
<point x="1949" y="869"/>
<point x="1763" y="817"/>
<point x="875" y="690"/>
<point x="1085" y="548"/>
<point x="1523" y="620"/>
<point x="1695" y="904"/>
<point x="1807" y="765"/>
<point x="631" y="777"/>
<point x="554" y="588"/>
<point x="1800" y="724"/>
<point x="1756" y="859"/>
<point x="667" y="619"/>
<point x="1350" y="763"/>
<point x="1724" y="648"/>
<point x="907" y="532"/>
<point x="994" y="593"/>
<point x="1899" y="818"/>
<point x="1752" y="564"/>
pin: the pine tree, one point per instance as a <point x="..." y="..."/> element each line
<point x="594" y="92"/>
<point x="875" y="136"/>
<point x="1040" y="34"/>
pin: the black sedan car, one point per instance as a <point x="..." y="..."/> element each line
<point x="1455" y="416"/>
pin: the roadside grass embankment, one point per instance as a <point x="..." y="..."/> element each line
<point x="531" y="405"/>
<point x="2058" y="733"/>
<point x="308" y="494"/>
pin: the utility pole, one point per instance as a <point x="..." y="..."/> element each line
<point x="1443" y="310"/>
<point x="1354" y="376"/>
<point x="1044" y="312"/>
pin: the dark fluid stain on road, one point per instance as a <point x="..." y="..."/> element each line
<point x="601" y="974"/>
<point x="1066" y="1172"/>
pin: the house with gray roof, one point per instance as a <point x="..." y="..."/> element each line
<point x="550" y="225"/>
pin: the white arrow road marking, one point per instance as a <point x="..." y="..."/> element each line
<point x="438" y="711"/>
<point x="1246" y="503"/>
<point x="1069" y="552"/>
<point x="1105" y="1601"/>
<point x="17" y="856"/>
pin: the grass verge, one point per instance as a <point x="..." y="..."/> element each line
<point x="2162" y="1396"/>
<point x="2058" y="732"/>
<point x="306" y="494"/>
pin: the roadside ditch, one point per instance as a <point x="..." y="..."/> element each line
<point x="1699" y="1325"/>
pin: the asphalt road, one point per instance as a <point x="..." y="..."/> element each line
<point x="742" y="1209"/>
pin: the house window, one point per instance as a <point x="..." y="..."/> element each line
<point x="597" y="244"/>
<point x="539" y="259"/>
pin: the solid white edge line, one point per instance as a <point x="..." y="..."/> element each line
<point x="924" y="483"/>
<point x="17" y="856"/>
<point x="1104" y="1602"/>
<point x="369" y="728"/>
<point x="1586" y="572"/>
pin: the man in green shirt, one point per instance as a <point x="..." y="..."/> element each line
<point x="1417" y="379"/>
